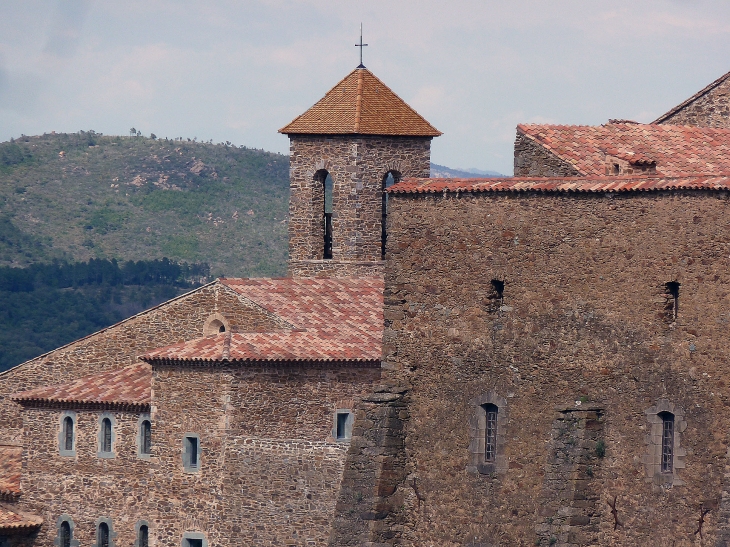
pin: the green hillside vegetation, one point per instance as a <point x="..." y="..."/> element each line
<point x="45" y="306"/>
<point x="87" y="196"/>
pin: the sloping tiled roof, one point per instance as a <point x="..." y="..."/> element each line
<point x="11" y="459"/>
<point x="693" y="98"/>
<point x="16" y="521"/>
<point x="636" y="183"/>
<point x="361" y="104"/>
<point x="334" y="320"/>
<point x="676" y="149"/>
<point x="126" y="388"/>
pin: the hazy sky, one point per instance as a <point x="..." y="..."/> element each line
<point x="240" y="70"/>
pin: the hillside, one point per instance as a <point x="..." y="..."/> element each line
<point x="87" y="196"/>
<point x="443" y="172"/>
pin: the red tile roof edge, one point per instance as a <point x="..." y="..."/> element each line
<point x="612" y="184"/>
<point x="72" y="404"/>
<point x="522" y="129"/>
<point x="25" y="521"/>
<point x="223" y="362"/>
<point x="692" y="99"/>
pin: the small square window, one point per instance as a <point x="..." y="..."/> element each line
<point x="194" y="542"/>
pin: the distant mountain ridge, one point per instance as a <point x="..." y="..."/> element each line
<point x="443" y="172"/>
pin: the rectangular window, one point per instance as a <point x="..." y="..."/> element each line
<point x="490" y="445"/>
<point x="189" y="542"/>
<point x="191" y="456"/>
<point x="342" y="425"/>
<point x="146" y="437"/>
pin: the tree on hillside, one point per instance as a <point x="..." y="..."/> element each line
<point x="132" y="132"/>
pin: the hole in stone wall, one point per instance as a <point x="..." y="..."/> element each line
<point x="495" y="298"/>
<point x="671" y="306"/>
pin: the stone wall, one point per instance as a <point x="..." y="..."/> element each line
<point x="534" y="160"/>
<point x="358" y="166"/>
<point x="711" y="109"/>
<point x="85" y="487"/>
<point x="582" y="323"/>
<point x="120" y="345"/>
<point x="270" y="467"/>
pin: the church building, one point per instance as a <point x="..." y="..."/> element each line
<point x="535" y="360"/>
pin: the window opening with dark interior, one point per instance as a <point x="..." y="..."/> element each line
<point x="328" y="206"/>
<point x="496" y="295"/>
<point x="667" y="441"/>
<point x="192" y="452"/>
<point x="672" y="306"/>
<point x="616" y="168"/>
<point x="389" y="180"/>
<point x="143" y="536"/>
<point x="146" y="437"/>
<point x="106" y="435"/>
<point x="190" y="542"/>
<point x="68" y="433"/>
<point x="103" y="535"/>
<point x="65" y="534"/>
<point x="490" y="432"/>
<point x="342" y="418"/>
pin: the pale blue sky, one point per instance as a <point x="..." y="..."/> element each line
<point x="239" y="70"/>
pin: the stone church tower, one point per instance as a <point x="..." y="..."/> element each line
<point x="344" y="151"/>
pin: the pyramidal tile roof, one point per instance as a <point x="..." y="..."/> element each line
<point x="126" y="388"/>
<point x="332" y="320"/>
<point x="692" y="99"/>
<point x="361" y="104"/>
<point x="676" y="149"/>
<point x="631" y="183"/>
<point x="10" y="469"/>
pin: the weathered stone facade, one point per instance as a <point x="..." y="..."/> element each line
<point x="182" y="318"/>
<point x="358" y="165"/>
<point x="534" y="160"/>
<point x="582" y="329"/>
<point x="708" y="108"/>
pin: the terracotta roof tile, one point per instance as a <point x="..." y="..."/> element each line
<point x="676" y="149"/>
<point x="11" y="460"/>
<point x="334" y="320"/>
<point x="129" y="387"/>
<point x="15" y="520"/>
<point x="637" y="183"/>
<point x="693" y="98"/>
<point x="361" y="104"/>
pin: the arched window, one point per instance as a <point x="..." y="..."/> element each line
<point x="328" y="197"/>
<point x="145" y="437"/>
<point x="490" y="432"/>
<point x="105" y="436"/>
<point x="64" y="534"/>
<point x="391" y="177"/>
<point x="143" y="536"/>
<point x="667" y="442"/>
<point x="68" y="434"/>
<point x="102" y="535"/>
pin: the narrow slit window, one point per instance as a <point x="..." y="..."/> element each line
<point x="68" y="434"/>
<point x="143" y="536"/>
<point x="490" y="433"/>
<point x="64" y="534"/>
<point x="672" y="292"/>
<point x="667" y="442"/>
<point x="342" y="425"/>
<point x="103" y="535"/>
<point x="106" y="435"/>
<point x="328" y="207"/>
<point x="146" y="437"/>
<point x="390" y="179"/>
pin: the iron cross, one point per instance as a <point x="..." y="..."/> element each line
<point x="361" y="45"/>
